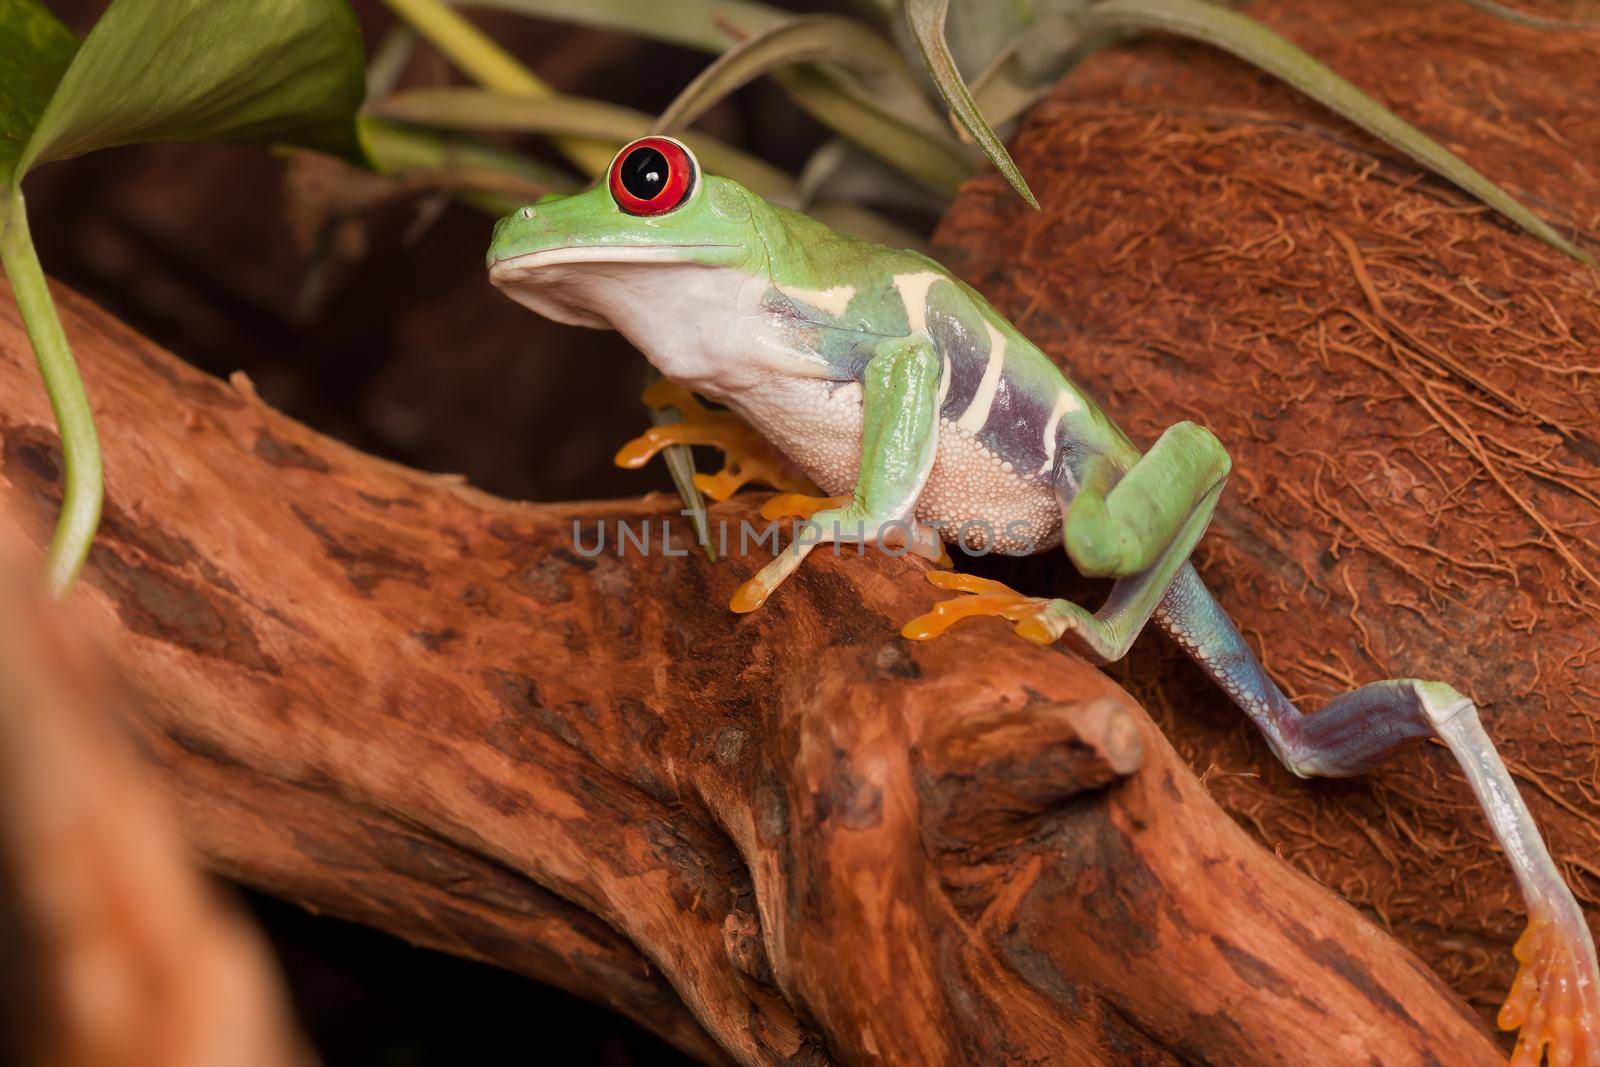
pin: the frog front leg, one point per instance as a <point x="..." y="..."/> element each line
<point x="899" y="436"/>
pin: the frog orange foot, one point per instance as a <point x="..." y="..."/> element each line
<point x="747" y="456"/>
<point x="984" y="597"/>
<point x="1554" y="1000"/>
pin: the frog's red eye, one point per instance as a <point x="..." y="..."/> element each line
<point x="652" y="176"/>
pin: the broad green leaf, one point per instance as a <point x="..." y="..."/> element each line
<point x="1261" y="47"/>
<point x="704" y="25"/>
<point x="871" y="116"/>
<point x="34" y="52"/>
<point x="208" y="70"/>
<point x="197" y="70"/>
<point x="926" y="19"/>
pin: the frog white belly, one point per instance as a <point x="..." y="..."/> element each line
<point x="972" y="495"/>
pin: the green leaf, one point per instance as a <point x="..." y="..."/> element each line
<point x="34" y="52"/>
<point x="1261" y="47"/>
<point x="803" y="39"/>
<point x="208" y="70"/>
<point x="198" y="70"/>
<point x="873" y="100"/>
<point x="979" y="30"/>
<point x="478" y="109"/>
<point x="926" y="19"/>
<point x="1032" y="63"/>
<point x="489" y="178"/>
<point x="482" y="110"/>
<point x="704" y="25"/>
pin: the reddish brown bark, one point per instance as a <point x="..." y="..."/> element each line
<point x="1409" y="391"/>
<point x="784" y="837"/>
<point x="115" y="951"/>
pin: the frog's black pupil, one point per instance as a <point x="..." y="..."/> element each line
<point x="644" y="173"/>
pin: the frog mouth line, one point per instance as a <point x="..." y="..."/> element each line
<point x="516" y="266"/>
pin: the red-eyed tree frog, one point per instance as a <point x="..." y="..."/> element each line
<point x="901" y="391"/>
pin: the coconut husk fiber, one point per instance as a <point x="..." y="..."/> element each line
<point x="1409" y="388"/>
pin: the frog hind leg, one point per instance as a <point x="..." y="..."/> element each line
<point x="1138" y="528"/>
<point x="747" y="456"/>
<point x="1165" y="501"/>
<point x="1555" y="998"/>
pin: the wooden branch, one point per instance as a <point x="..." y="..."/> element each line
<point x="116" y="952"/>
<point x="784" y="837"/>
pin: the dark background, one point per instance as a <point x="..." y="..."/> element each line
<point x="398" y="346"/>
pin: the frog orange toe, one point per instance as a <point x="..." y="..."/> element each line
<point x="747" y="456"/>
<point x="799" y="505"/>
<point x="749" y="596"/>
<point x="1554" y="1001"/>
<point x="983" y="597"/>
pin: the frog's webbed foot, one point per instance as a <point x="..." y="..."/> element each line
<point x="982" y="596"/>
<point x="1555" y="998"/>
<point x="747" y="456"/>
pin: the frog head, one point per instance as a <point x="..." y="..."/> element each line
<point x="633" y="245"/>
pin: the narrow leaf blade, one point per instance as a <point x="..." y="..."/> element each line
<point x="926" y="19"/>
<point x="704" y="25"/>
<point x="1261" y="47"/>
<point x="803" y="39"/>
<point x="873" y="100"/>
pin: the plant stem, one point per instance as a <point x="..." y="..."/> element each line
<point x="80" y="446"/>
<point x="494" y="68"/>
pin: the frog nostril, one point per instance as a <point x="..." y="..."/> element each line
<point x="525" y="214"/>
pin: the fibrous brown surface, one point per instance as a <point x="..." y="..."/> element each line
<point x="788" y="837"/>
<point x="1410" y="390"/>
